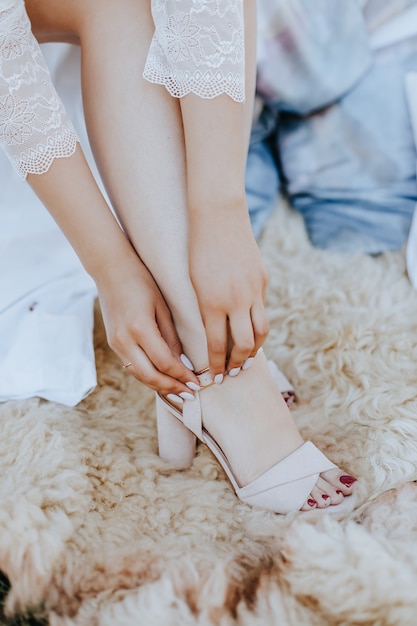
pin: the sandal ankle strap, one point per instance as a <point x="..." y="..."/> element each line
<point x="205" y="378"/>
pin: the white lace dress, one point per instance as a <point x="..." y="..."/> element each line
<point x="198" y="47"/>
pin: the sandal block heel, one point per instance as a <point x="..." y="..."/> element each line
<point x="176" y="443"/>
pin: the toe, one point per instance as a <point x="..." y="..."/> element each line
<point x="309" y="504"/>
<point x="328" y="491"/>
<point x="289" y="397"/>
<point x="340" y="481"/>
<point x="333" y="494"/>
<point x="320" y="496"/>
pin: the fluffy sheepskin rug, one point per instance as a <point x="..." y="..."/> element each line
<point x="94" y="526"/>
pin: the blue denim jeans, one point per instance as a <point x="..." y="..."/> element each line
<point x="335" y="132"/>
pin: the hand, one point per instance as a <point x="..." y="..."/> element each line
<point x="140" y="330"/>
<point x="230" y="282"/>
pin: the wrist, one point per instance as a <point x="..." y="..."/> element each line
<point x="217" y="208"/>
<point x="107" y="263"/>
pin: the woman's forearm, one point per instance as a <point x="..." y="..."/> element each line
<point x="138" y="323"/>
<point x="216" y="135"/>
<point x="224" y="260"/>
<point x="70" y="193"/>
<point x="216" y="148"/>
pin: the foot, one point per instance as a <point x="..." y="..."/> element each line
<point x="259" y="431"/>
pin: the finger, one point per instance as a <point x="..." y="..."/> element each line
<point x="144" y="370"/>
<point x="260" y="325"/>
<point x="216" y="332"/>
<point x="264" y="286"/>
<point x="161" y="357"/>
<point x="241" y="331"/>
<point x="168" y="331"/>
<point x="170" y="336"/>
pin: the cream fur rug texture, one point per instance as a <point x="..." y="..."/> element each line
<point x="96" y="527"/>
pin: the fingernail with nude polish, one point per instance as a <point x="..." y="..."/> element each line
<point x="193" y="386"/>
<point x="174" y="398"/>
<point x="187" y="396"/>
<point x="246" y="365"/>
<point x="234" y="371"/>
<point x="187" y="362"/>
<point x="347" y="481"/>
<point x="218" y="379"/>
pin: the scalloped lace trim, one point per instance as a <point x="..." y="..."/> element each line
<point x="38" y="160"/>
<point x="198" y="47"/>
<point x="206" y="85"/>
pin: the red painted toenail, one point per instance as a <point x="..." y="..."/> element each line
<point x="347" y="481"/>
<point x="339" y="493"/>
<point x="311" y="502"/>
<point x="325" y="496"/>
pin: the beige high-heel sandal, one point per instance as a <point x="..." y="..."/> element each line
<point x="283" y="488"/>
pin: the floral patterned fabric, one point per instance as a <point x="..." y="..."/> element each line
<point x="198" y="47"/>
<point x="34" y="128"/>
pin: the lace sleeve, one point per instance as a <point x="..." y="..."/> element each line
<point x="34" y="129"/>
<point x="198" y="47"/>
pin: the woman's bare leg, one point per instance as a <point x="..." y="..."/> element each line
<point x="136" y="132"/>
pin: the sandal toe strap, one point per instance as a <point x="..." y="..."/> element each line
<point x="285" y="486"/>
